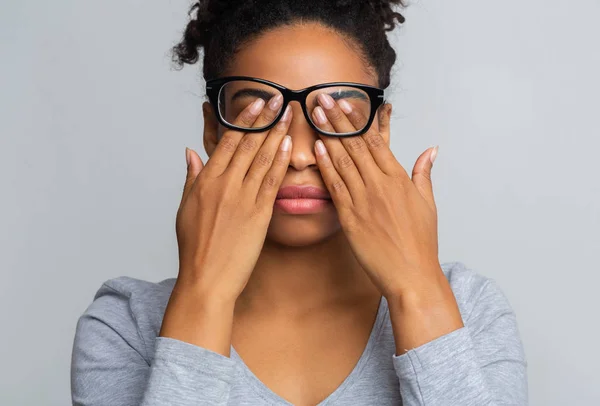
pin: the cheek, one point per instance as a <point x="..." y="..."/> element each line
<point x="378" y="125"/>
<point x="220" y="131"/>
<point x="376" y="122"/>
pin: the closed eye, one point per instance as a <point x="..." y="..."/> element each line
<point x="344" y="94"/>
<point x="256" y="93"/>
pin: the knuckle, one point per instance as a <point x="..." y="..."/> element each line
<point x="228" y="143"/>
<point x="248" y="144"/>
<point x="374" y="141"/>
<point x="377" y="192"/>
<point x="200" y="192"/>
<point x="263" y="159"/>
<point x="202" y="179"/>
<point x="337" y="186"/>
<point x="398" y="172"/>
<point x="355" y="144"/>
<point x="271" y="181"/>
<point x="345" y="161"/>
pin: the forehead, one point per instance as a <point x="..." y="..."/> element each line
<point x="302" y="55"/>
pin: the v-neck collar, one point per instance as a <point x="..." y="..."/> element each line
<point x="268" y="395"/>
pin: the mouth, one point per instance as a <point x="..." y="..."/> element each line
<point x="303" y="192"/>
<point x="305" y="199"/>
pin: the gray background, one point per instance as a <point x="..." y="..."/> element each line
<point x="94" y="122"/>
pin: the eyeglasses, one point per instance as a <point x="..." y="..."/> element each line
<point x="229" y="96"/>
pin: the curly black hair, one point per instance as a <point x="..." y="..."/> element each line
<point x="222" y="26"/>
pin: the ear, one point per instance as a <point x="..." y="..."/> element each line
<point x="383" y="119"/>
<point x="211" y="128"/>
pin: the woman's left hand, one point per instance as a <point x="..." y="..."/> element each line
<point x="390" y="220"/>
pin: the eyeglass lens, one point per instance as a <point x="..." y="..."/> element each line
<point x="236" y="95"/>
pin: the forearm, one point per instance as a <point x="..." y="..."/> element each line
<point x="111" y="364"/>
<point x="423" y="312"/>
<point x="441" y="360"/>
<point x="199" y="319"/>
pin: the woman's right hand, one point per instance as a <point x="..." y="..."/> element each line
<point x="222" y="223"/>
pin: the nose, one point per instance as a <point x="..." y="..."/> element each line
<point x="303" y="140"/>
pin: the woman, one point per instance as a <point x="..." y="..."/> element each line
<point x="308" y="265"/>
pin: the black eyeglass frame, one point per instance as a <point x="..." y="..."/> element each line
<point x="214" y="86"/>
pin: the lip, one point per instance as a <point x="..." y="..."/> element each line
<point x="303" y="192"/>
<point x="302" y="199"/>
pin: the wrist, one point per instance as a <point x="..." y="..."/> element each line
<point x="205" y="292"/>
<point x="430" y="288"/>
<point x="205" y="320"/>
<point x="423" y="312"/>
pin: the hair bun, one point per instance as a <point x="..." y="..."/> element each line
<point x="387" y="15"/>
<point x="218" y="27"/>
<point x="198" y="31"/>
<point x="383" y="8"/>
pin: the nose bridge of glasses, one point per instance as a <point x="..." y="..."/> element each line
<point x="297" y="95"/>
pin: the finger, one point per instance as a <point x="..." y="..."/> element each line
<point x="340" y="158"/>
<point x="374" y="140"/>
<point x="340" y="194"/>
<point x="421" y="175"/>
<point x="194" y="167"/>
<point x="272" y="180"/>
<point x="355" y="146"/>
<point x="228" y="144"/>
<point x="251" y="142"/>
<point x="266" y="155"/>
<point x="335" y="115"/>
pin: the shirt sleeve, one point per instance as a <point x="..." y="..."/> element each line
<point x="110" y="364"/>
<point x="480" y="364"/>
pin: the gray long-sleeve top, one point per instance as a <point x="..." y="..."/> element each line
<point x="118" y="358"/>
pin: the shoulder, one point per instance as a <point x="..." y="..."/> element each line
<point x="130" y="307"/>
<point x="137" y="291"/>
<point x="479" y="297"/>
<point x="487" y="315"/>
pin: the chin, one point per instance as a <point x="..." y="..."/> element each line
<point x="302" y="230"/>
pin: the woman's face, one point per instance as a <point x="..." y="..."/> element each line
<point x="297" y="57"/>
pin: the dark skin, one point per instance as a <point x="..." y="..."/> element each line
<point x="310" y="281"/>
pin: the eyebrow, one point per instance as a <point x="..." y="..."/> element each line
<point x="345" y="94"/>
<point x="260" y="93"/>
<point x="266" y="95"/>
<point x="356" y="94"/>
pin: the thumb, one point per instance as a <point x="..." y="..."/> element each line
<point x="421" y="175"/>
<point x="194" y="166"/>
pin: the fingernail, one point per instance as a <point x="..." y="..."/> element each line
<point x="187" y="155"/>
<point x="326" y="100"/>
<point x="286" y="113"/>
<point x="257" y="106"/>
<point x="286" y="144"/>
<point x="345" y="106"/>
<point x="276" y="102"/>
<point x="320" y="115"/>
<point x="321" y="147"/>
<point x="433" y="154"/>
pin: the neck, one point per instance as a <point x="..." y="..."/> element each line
<point x="296" y="279"/>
